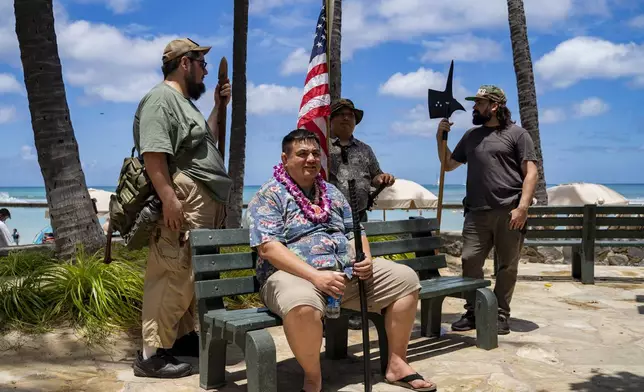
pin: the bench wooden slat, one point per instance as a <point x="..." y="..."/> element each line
<point x="208" y="238"/>
<point x="425" y="263"/>
<point x="612" y="234"/>
<point x="564" y="233"/>
<point x="223" y="262"/>
<point x="411" y="226"/>
<point x="552" y="243"/>
<point x="450" y="285"/>
<point x="420" y="244"/>
<point x="622" y="210"/>
<point x="220" y="318"/>
<point x="225" y="287"/>
<point x="620" y="244"/>
<point x="620" y="221"/>
<point x="258" y="321"/>
<point x="555" y="210"/>
<point x="555" y="221"/>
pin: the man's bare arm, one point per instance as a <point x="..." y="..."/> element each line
<point x="156" y="165"/>
<point x="530" y="174"/>
<point x="451" y="163"/>
<point x="283" y="259"/>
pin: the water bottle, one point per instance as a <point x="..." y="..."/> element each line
<point x="333" y="307"/>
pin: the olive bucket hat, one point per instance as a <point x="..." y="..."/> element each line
<point x="347" y="103"/>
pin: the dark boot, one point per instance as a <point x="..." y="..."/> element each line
<point x="502" y="325"/>
<point x="355" y="321"/>
<point x="466" y="323"/>
<point x="160" y="365"/>
<point x="186" y="346"/>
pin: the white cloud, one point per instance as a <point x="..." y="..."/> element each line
<point x="415" y="84"/>
<point x="462" y="48"/>
<point x="9" y="84"/>
<point x="117" y="6"/>
<point x="582" y="58"/>
<point x="104" y="61"/>
<point x="28" y="153"/>
<point x="417" y="122"/>
<point x="637" y="22"/>
<point x="551" y="116"/>
<point x="296" y="62"/>
<point x="367" y="23"/>
<point x="591" y="107"/>
<point x="7" y="114"/>
<point x="272" y="98"/>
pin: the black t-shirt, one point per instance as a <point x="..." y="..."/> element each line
<point x="494" y="158"/>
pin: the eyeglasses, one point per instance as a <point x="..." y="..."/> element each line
<point x="203" y="63"/>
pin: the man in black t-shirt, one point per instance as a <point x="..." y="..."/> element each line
<point x="501" y="179"/>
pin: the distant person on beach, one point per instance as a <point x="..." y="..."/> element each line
<point x="16" y="237"/>
<point x="187" y="171"/>
<point x="501" y="179"/>
<point x="362" y="164"/>
<point x="302" y="229"/>
<point x="5" y="234"/>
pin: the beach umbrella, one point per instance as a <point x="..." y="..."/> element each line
<point x="581" y="193"/>
<point x="405" y="194"/>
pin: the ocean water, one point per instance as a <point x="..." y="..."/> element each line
<point x="30" y="221"/>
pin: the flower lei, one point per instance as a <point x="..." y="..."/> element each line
<point x="316" y="212"/>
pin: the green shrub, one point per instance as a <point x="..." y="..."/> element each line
<point x="22" y="263"/>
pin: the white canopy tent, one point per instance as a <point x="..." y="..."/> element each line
<point x="580" y="193"/>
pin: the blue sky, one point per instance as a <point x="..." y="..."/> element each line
<point x="588" y="58"/>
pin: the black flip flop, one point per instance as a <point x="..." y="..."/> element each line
<point x="405" y="382"/>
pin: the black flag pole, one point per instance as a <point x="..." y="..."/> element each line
<point x="442" y="104"/>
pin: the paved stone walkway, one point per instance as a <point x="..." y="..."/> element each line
<point x="565" y="337"/>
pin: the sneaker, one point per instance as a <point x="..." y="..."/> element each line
<point x="186" y="346"/>
<point x="466" y="323"/>
<point x="160" y="365"/>
<point x="355" y="321"/>
<point x="502" y="325"/>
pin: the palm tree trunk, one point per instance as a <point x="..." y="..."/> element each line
<point x="526" y="89"/>
<point x="71" y="211"/>
<point x="335" y="61"/>
<point x="237" y="154"/>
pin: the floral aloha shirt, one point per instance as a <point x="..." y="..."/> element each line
<point x="273" y="215"/>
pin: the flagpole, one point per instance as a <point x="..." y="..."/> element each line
<point x="329" y="22"/>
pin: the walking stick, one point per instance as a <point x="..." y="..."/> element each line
<point x="360" y="256"/>
<point x="221" y="109"/>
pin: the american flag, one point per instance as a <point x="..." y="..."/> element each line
<point x="315" y="107"/>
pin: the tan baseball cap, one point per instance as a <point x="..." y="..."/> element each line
<point x="179" y="47"/>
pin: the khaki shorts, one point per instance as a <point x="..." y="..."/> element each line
<point x="390" y="282"/>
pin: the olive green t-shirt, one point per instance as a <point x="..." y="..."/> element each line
<point x="168" y="122"/>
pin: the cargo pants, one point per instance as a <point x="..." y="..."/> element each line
<point x="168" y="289"/>
<point x="483" y="230"/>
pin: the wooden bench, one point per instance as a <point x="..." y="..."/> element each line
<point x="584" y="228"/>
<point x="246" y="327"/>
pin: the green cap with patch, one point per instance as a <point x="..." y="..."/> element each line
<point x="488" y="91"/>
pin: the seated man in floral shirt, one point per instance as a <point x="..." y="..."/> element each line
<point x="301" y="227"/>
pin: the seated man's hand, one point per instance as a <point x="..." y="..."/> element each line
<point x="364" y="269"/>
<point x="330" y="283"/>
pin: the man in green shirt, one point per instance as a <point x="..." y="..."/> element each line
<point x="188" y="174"/>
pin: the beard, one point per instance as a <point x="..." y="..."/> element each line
<point x="195" y="89"/>
<point x="480" y="119"/>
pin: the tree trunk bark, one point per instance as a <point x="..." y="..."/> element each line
<point x="236" y="163"/>
<point x="526" y="89"/>
<point x="335" y="61"/>
<point x="71" y="210"/>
